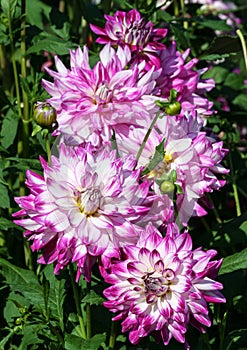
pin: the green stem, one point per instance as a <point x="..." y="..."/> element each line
<point x="234" y="185"/>
<point x="56" y="333"/>
<point x="206" y="340"/>
<point x="13" y="60"/>
<point x="48" y="148"/>
<point x="236" y="198"/>
<point x="176" y="8"/>
<point x="25" y="117"/>
<point x="88" y="314"/>
<point x="222" y="329"/>
<point x="241" y="37"/>
<point x="147" y="136"/>
<point x="215" y="211"/>
<point x="77" y="301"/>
<point x="185" y="23"/>
<point x="113" y="335"/>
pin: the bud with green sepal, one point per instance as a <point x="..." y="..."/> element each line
<point x="44" y="114"/>
<point x="172" y="106"/>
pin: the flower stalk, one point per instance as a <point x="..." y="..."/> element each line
<point x="88" y="314"/>
<point x="25" y="114"/>
<point x="113" y="335"/>
<point x="243" y="43"/>
<point x="147" y="135"/>
<point x="234" y="186"/>
<point x="77" y="302"/>
<point x="15" y="72"/>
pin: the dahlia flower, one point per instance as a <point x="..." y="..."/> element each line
<point x="189" y="160"/>
<point x="180" y="74"/>
<point x="130" y="29"/>
<point x="84" y="206"/>
<point x="90" y="102"/>
<point x="162" y="286"/>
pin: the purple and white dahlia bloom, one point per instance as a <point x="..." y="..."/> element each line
<point x="132" y="30"/>
<point x="180" y="74"/>
<point x="84" y="206"/>
<point x="191" y="161"/>
<point x="90" y="102"/>
<point x="162" y="286"/>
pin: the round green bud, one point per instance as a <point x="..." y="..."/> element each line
<point x="18" y="321"/>
<point x="174" y="108"/>
<point x="44" y="114"/>
<point x="167" y="187"/>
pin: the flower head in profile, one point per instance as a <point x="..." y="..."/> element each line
<point x="90" y="102"/>
<point x="132" y="30"/>
<point x="180" y="74"/>
<point x="84" y="206"/>
<point x="162" y="286"/>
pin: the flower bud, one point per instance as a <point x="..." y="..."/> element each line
<point x="44" y="114"/>
<point x="18" y="321"/>
<point x="167" y="187"/>
<point x="174" y="108"/>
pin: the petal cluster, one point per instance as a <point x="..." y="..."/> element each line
<point x="132" y="30"/>
<point x="84" y="206"/>
<point x="162" y="286"/>
<point x="193" y="157"/>
<point x="90" y="102"/>
<point x="180" y="74"/>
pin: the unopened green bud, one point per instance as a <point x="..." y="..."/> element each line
<point x="18" y="321"/>
<point x="167" y="187"/>
<point x="44" y="114"/>
<point x="174" y="108"/>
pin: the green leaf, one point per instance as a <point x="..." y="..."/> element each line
<point x="4" y="100"/>
<point x="30" y="337"/>
<point x="234" y="81"/>
<point x="36" y="10"/>
<point x="4" y="341"/>
<point x="93" y="298"/>
<point x="235" y="339"/>
<point x="52" y="44"/>
<point x="215" y="24"/>
<point x="72" y="342"/>
<point x="8" y="7"/>
<point x="12" y="309"/>
<point x="25" y="86"/>
<point x="4" y="197"/>
<point x="6" y="224"/>
<point x="218" y="73"/>
<point x="56" y="294"/>
<point x="23" y="281"/>
<point x="2" y="167"/>
<point x="223" y="45"/>
<point x="24" y="164"/>
<point x="241" y="101"/>
<point x="165" y="16"/>
<point x="9" y="128"/>
<point x="157" y="158"/>
<point x="180" y="34"/>
<point x="234" y="262"/>
<point x="216" y="56"/>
